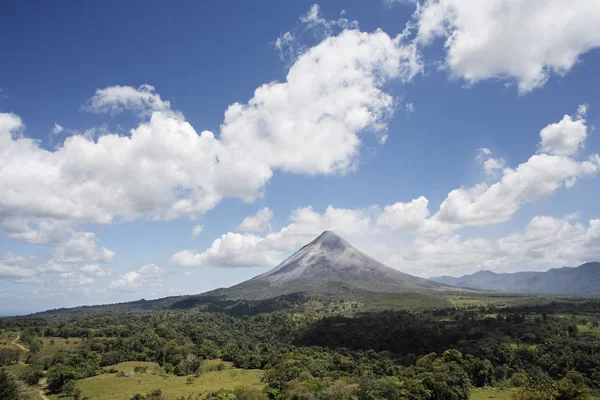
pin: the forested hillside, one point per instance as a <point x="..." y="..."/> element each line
<point x="310" y="349"/>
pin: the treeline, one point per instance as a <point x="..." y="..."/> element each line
<point x="429" y="355"/>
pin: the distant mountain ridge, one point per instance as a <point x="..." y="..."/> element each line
<point x="330" y="266"/>
<point x="581" y="280"/>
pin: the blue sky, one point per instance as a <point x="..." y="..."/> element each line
<point x="435" y="142"/>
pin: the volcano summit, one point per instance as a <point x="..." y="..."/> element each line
<point x="330" y="266"/>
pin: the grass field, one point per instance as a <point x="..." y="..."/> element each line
<point x="6" y="341"/>
<point x="408" y="301"/>
<point x="516" y="346"/>
<point x="6" y="337"/>
<point x="16" y="369"/>
<point x="215" y="365"/>
<point x="497" y="300"/>
<point x="500" y="394"/>
<point x="51" y="345"/>
<point x="112" y="387"/>
<point x="588" y="328"/>
<point x="491" y="393"/>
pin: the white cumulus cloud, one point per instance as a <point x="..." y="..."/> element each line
<point x="410" y="215"/>
<point x="80" y="247"/>
<point x="147" y="276"/>
<point x="230" y="250"/>
<point x="523" y="40"/>
<point x="258" y="222"/>
<point x="251" y="250"/>
<point x="540" y="176"/>
<point x="96" y="270"/>
<point x="164" y="169"/>
<point x="15" y="271"/>
<point x="435" y="242"/>
<point x="116" y="99"/>
<point x="546" y="242"/>
<point x="565" y="137"/>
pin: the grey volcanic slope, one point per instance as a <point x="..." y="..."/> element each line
<point x="331" y="266"/>
<point x="582" y="280"/>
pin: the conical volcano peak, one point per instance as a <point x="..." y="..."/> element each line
<point x="327" y="233"/>
<point x="331" y="241"/>
<point x="331" y="266"/>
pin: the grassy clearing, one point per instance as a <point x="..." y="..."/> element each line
<point x="216" y="365"/>
<point x="588" y="328"/>
<point x="491" y="393"/>
<point x="492" y="315"/>
<point x="30" y="392"/>
<point x="7" y="341"/>
<point x="15" y="369"/>
<point x="129" y="366"/>
<point x="408" y="301"/>
<point x="51" y="345"/>
<point x="470" y="301"/>
<point x="112" y="387"/>
<point x="516" y="346"/>
<point x="6" y="337"/>
<point x="500" y="394"/>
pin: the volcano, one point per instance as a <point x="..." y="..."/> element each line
<point x="330" y="266"/>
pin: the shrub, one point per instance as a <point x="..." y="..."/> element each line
<point x="244" y="393"/>
<point x="139" y="369"/>
<point x="8" y="387"/>
<point x="189" y="365"/>
<point x="31" y="375"/>
<point x="70" y="389"/>
<point x="156" y="394"/>
<point x="59" y="376"/>
<point x="221" y="395"/>
<point x="8" y="357"/>
<point x="550" y="390"/>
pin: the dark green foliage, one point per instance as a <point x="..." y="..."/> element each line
<point x="389" y="388"/>
<point x="59" y="376"/>
<point x="243" y="393"/>
<point x="240" y="307"/>
<point x="138" y="369"/>
<point x="9" y="357"/>
<point x="435" y="354"/>
<point x="8" y="387"/>
<point x="35" y="346"/>
<point x="221" y="395"/>
<point x="70" y="389"/>
<point x="190" y="364"/>
<point x="240" y="393"/>
<point x="32" y="375"/>
<point x="156" y="394"/>
<point x="67" y="366"/>
<point x="544" y="389"/>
